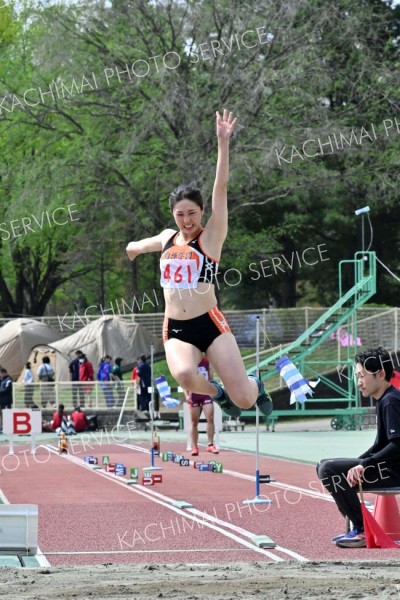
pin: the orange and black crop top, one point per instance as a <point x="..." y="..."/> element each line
<point x="185" y="266"/>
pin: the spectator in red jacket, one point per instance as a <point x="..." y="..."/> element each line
<point x="86" y="373"/>
<point x="79" y="420"/>
<point x="135" y="382"/>
<point x="58" y="417"/>
<point x="135" y="374"/>
<point x="60" y="424"/>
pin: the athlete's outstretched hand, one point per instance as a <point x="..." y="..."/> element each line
<point x="225" y="124"/>
<point x="132" y="251"/>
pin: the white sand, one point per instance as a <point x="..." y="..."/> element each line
<point x="292" y="581"/>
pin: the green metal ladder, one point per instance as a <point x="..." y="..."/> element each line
<point x="342" y="314"/>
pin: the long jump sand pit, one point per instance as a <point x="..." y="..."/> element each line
<point x="292" y="581"/>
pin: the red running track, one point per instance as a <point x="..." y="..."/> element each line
<point x="90" y="517"/>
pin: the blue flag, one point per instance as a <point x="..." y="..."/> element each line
<point x="165" y="392"/>
<point x="295" y="381"/>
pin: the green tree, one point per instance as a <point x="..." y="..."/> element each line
<point x="115" y="139"/>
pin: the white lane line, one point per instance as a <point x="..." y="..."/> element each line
<point x="244" y="532"/>
<point x="292" y="553"/>
<point x="180" y="512"/>
<point x="204" y="515"/>
<point x="41" y="558"/>
<point x="3" y="499"/>
<point x="133" y="447"/>
<point x="215" y="519"/>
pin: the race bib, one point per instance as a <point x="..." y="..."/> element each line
<point x="203" y="371"/>
<point x="178" y="273"/>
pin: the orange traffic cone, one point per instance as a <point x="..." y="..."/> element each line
<point x="374" y="534"/>
<point x="386" y="513"/>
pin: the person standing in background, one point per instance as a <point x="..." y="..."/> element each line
<point x="46" y="377"/>
<point x="74" y="366"/>
<point x="28" y="381"/>
<point x="135" y="383"/>
<point x="144" y="373"/>
<point x="86" y="373"/>
<point x="104" y="376"/>
<point x="199" y="403"/>
<point x="117" y="376"/>
<point x="6" y="397"/>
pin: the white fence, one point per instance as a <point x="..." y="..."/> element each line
<point x="89" y="395"/>
<point x="377" y="325"/>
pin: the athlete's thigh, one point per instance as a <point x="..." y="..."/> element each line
<point x="195" y="413"/>
<point x="181" y="356"/>
<point x="225" y="357"/>
<point x="208" y="410"/>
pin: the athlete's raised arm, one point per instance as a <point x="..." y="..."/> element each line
<point x="218" y="222"/>
<point x="151" y="244"/>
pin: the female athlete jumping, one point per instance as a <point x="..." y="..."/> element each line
<point x="193" y="323"/>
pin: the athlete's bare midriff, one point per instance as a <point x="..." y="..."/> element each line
<point x="189" y="303"/>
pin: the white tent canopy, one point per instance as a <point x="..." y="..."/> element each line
<point x="107" y="335"/>
<point x="18" y="337"/>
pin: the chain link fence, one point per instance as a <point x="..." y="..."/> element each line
<point x="375" y="325"/>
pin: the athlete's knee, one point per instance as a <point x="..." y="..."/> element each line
<point x="185" y="377"/>
<point x="243" y="399"/>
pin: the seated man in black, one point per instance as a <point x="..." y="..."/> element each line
<point x="378" y="467"/>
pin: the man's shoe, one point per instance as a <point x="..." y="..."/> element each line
<point x="195" y="452"/>
<point x="338" y="537"/>
<point x="223" y="400"/>
<point x="263" y="401"/>
<point x="354" y="539"/>
<point x="212" y="448"/>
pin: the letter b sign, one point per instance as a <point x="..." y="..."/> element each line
<point x="22" y="422"/>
